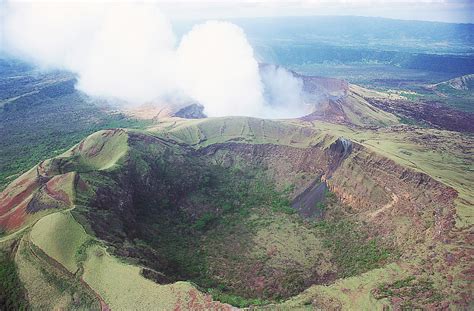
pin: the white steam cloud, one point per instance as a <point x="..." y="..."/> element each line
<point x="217" y="68"/>
<point x="283" y="91"/>
<point x="129" y="51"/>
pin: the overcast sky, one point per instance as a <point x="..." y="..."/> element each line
<point x="460" y="11"/>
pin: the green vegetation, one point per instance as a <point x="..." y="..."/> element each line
<point x="12" y="292"/>
<point x="42" y="115"/>
<point x="49" y="285"/>
<point x="120" y="284"/>
<point x="63" y="249"/>
<point x="352" y="249"/>
<point x="21" y="150"/>
<point x="352" y="293"/>
<point x="443" y="155"/>
<point x="221" y="222"/>
<point x="321" y="206"/>
<point x="101" y="150"/>
<point x="204" y="221"/>
<point x="205" y="132"/>
<point x="230" y="220"/>
<point x="280" y="202"/>
<point x="414" y="293"/>
<point x="81" y="252"/>
<point x="236" y="197"/>
<point x="329" y="195"/>
<point x="234" y="300"/>
<point x="210" y="240"/>
<point x="123" y="287"/>
<point x="353" y="252"/>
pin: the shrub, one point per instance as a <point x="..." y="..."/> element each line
<point x="320" y="206"/>
<point x="204" y="221"/>
<point x="12" y="293"/>
<point x="353" y="251"/>
<point x="234" y="300"/>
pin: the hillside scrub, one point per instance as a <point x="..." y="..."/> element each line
<point x="12" y="291"/>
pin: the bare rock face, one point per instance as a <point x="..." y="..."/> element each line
<point x="193" y="111"/>
<point x="328" y="109"/>
<point x="342" y="146"/>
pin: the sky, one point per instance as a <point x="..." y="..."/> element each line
<point x="454" y="11"/>
<point x="458" y="11"/>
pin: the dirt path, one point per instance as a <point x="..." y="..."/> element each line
<point x="385" y="207"/>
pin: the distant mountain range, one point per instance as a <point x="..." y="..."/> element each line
<point x="290" y="41"/>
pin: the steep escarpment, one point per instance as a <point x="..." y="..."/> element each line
<point x="403" y="203"/>
<point x="407" y="204"/>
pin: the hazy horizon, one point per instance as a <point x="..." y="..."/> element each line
<point x="448" y="11"/>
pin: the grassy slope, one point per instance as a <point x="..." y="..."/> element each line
<point x="205" y="132"/>
<point x="99" y="151"/>
<point x="457" y="92"/>
<point x="447" y="164"/>
<point x="361" y="113"/>
<point x="49" y="286"/>
<point x="282" y="231"/>
<point x="64" y="241"/>
<point x="349" y="294"/>
<point x="42" y="137"/>
<point x="123" y="288"/>
<point x="244" y="128"/>
<point x="23" y="148"/>
<point x="58" y="239"/>
<point x="444" y="155"/>
<point x="120" y="285"/>
<point x="61" y="249"/>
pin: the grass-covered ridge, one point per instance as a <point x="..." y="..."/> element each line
<point x="20" y="151"/>
<point x="205" y="132"/>
<point x="109" y="280"/>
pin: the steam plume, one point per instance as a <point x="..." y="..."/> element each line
<point x="129" y="51"/>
